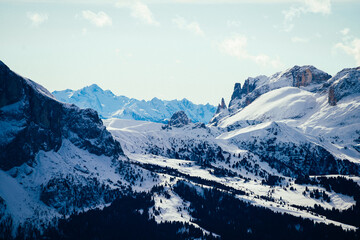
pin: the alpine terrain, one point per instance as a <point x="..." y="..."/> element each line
<point x="108" y="105"/>
<point x="281" y="161"/>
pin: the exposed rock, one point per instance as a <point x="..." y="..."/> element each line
<point x="35" y="121"/>
<point x="221" y="111"/>
<point x="306" y="75"/>
<point x="237" y="92"/>
<point x="343" y="84"/>
<point x="179" y="119"/>
<point x="332" y="100"/>
<point x="221" y="106"/>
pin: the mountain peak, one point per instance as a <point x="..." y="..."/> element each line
<point x="111" y="106"/>
<point x="179" y="119"/>
<point x="94" y="87"/>
<point x="306" y="75"/>
<point x="343" y="84"/>
<point x="221" y="106"/>
<point x="51" y="122"/>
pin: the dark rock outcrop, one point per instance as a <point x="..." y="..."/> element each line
<point x="33" y="120"/>
<point x="239" y="93"/>
<point x="343" y="84"/>
<point x="179" y="119"/>
<point x="221" y="106"/>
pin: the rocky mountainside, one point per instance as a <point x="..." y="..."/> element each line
<point x="292" y="115"/>
<point x="109" y="105"/>
<point x="285" y="164"/>
<point x="55" y="158"/>
<point x="306" y="76"/>
<point x="35" y="121"/>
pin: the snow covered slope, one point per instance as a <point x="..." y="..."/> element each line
<point x="272" y="154"/>
<point x="334" y="127"/>
<point x="213" y="156"/>
<point x="306" y="77"/>
<point x="55" y="158"/>
<point x="109" y="105"/>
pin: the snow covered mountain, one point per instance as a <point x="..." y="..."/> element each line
<point x="55" y="158"/>
<point x="109" y="105"/>
<point x="285" y="164"/>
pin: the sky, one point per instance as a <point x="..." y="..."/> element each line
<point x="174" y="49"/>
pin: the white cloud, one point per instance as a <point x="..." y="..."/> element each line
<point x="99" y="19"/>
<point x="299" y="40"/>
<point x="345" y="31"/>
<point x="350" y="45"/>
<point x="193" y="27"/>
<point x="37" y="18"/>
<point x="140" y="11"/>
<point x="289" y="15"/>
<point x="318" y="6"/>
<point x="237" y="46"/>
<point x="306" y="6"/>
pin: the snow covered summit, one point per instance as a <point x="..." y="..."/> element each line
<point x="306" y="77"/>
<point x="108" y="105"/>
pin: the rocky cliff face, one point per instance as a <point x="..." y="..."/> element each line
<point x="306" y="75"/>
<point x="298" y="76"/>
<point x="32" y="120"/>
<point x="343" y="84"/>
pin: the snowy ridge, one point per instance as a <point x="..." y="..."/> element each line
<point x="247" y="179"/>
<point x="277" y="147"/>
<point x="109" y="105"/>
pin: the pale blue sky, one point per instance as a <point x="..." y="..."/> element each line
<point x="176" y="48"/>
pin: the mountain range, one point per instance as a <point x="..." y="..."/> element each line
<point x="108" y="105"/>
<point x="281" y="161"/>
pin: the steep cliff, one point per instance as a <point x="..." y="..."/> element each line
<point x="33" y="120"/>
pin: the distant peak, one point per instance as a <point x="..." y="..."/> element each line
<point x="155" y="99"/>
<point x="94" y="86"/>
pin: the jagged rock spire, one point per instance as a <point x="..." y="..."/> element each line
<point x="221" y="106"/>
<point x="237" y="92"/>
